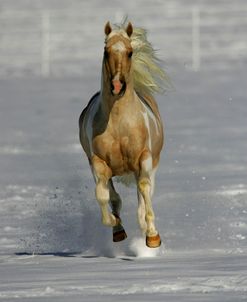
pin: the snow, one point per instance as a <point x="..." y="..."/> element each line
<point x="185" y="277"/>
<point x="52" y="244"/>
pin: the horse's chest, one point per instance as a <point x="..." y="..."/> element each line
<point x="120" y="146"/>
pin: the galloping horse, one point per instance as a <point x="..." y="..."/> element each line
<point x="121" y="130"/>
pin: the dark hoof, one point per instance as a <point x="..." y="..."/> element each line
<point x="153" y="241"/>
<point x="119" y="236"/>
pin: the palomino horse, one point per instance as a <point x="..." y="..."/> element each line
<point x="121" y="130"/>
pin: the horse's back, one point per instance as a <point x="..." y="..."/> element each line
<point x="85" y="110"/>
<point x="83" y="120"/>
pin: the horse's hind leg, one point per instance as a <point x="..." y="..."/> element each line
<point x="116" y="204"/>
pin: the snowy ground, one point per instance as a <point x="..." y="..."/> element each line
<point x="177" y="277"/>
<point x="52" y="244"/>
<point x="48" y="207"/>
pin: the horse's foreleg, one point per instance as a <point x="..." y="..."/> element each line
<point x="116" y="204"/>
<point x="145" y="188"/>
<point x="102" y="174"/>
<point x="141" y="212"/>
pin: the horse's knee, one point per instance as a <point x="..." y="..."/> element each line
<point x="144" y="186"/>
<point x="102" y="193"/>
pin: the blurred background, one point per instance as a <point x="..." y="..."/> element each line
<point x="50" y="66"/>
<point x="63" y="38"/>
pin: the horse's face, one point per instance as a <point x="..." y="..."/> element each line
<point x="117" y="58"/>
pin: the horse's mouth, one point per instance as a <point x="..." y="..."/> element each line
<point x="118" y="91"/>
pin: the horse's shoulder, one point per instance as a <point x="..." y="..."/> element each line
<point x="149" y="101"/>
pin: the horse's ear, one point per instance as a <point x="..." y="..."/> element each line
<point x="129" y="29"/>
<point x="108" y="28"/>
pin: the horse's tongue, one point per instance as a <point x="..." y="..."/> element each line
<point x="117" y="86"/>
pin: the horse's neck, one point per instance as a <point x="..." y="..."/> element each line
<point x="110" y="103"/>
<point x="108" y="100"/>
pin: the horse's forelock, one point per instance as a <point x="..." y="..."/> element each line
<point x="117" y="34"/>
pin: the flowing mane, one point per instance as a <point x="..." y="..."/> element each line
<point x="149" y="77"/>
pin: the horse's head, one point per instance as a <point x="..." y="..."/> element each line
<point x="117" y="57"/>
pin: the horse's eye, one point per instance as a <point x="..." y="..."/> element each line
<point x="130" y="54"/>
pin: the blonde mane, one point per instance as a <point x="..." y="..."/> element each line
<point x="149" y="77"/>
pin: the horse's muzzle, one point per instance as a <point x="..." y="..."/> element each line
<point x="118" y="87"/>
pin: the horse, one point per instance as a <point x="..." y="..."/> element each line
<point x="121" y="129"/>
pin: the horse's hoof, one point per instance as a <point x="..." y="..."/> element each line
<point x="153" y="241"/>
<point x="119" y="236"/>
